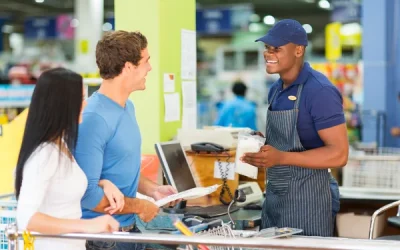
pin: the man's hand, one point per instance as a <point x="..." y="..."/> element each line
<point x="101" y="224"/>
<point x="395" y="131"/>
<point x="266" y="158"/>
<point x="147" y="210"/>
<point x="164" y="191"/>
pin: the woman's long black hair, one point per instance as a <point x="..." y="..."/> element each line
<point x="53" y="115"/>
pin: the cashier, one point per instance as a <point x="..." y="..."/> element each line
<point x="306" y="135"/>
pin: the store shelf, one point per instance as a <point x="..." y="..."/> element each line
<point x="92" y="81"/>
<point x="368" y="194"/>
<point x="14" y="104"/>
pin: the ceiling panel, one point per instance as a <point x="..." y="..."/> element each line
<point x="301" y="10"/>
<point x="305" y="11"/>
<point x="19" y="9"/>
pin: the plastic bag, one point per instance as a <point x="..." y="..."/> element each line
<point x="247" y="143"/>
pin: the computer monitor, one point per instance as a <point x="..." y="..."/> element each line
<point x="175" y="165"/>
<point x="178" y="174"/>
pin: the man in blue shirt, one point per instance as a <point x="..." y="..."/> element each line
<point x="238" y="113"/>
<point x="109" y="141"/>
<point x="306" y="135"/>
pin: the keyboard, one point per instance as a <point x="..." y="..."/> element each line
<point x="209" y="212"/>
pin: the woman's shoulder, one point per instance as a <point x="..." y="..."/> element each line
<point x="45" y="150"/>
<point x="45" y="159"/>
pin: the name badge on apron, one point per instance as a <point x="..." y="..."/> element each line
<point x="292" y="98"/>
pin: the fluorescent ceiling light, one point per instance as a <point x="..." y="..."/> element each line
<point x="324" y="4"/>
<point x="269" y="20"/>
<point x="308" y="28"/>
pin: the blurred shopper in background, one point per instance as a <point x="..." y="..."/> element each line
<point x="239" y="112"/>
<point x="395" y="131"/>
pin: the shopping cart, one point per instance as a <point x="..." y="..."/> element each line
<point x="7" y="215"/>
<point x="373" y="171"/>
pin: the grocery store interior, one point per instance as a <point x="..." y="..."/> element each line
<point x="199" y="49"/>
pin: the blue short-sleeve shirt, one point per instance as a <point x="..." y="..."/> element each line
<point x="320" y="106"/>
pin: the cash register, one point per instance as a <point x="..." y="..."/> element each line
<point x="179" y="175"/>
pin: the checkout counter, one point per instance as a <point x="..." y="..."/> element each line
<point x="244" y="219"/>
<point x="250" y="220"/>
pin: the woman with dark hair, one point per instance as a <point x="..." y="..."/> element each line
<point x="49" y="183"/>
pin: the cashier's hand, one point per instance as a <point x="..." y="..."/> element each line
<point x="164" y="191"/>
<point x="267" y="157"/>
<point x="258" y="133"/>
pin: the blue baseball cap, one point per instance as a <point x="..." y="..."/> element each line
<point x="285" y="31"/>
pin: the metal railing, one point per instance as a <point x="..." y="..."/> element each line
<point x="4" y="196"/>
<point x="291" y="243"/>
<point x="378" y="212"/>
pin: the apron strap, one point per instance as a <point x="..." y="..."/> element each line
<point x="299" y="91"/>
<point x="296" y="103"/>
<point x="268" y="106"/>
<point x="296" y="108"/>
<point x="272" y="98"/>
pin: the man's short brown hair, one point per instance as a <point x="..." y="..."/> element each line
<point x="115" y="49"/>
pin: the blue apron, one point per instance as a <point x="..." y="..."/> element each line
<point x="295" y="196"/>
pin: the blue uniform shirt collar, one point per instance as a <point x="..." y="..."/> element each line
<point x="301" y="78"/>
